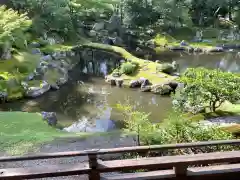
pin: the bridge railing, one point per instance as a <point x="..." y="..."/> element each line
<point x="195" y="166"/>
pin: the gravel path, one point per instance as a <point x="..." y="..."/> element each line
<point x="111" y="141"/>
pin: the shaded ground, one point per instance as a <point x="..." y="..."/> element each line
<point x="108" y="141"/>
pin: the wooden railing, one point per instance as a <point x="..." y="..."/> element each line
<point x="217" y="165"/>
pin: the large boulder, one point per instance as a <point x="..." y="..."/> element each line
<point x="6" y="51"/>
<point x="36" y="51"/>
<point x="119" y="82"/>
<point x="46" y="58"/>
<point x="144" y="82"/>
<point x="3" y="96"/>
<point x="50" y="117"/>
<point x="162" y="89"/>
<point x="114" y="24"/>
<point x="62" y="80"/>
<point x="173" y="85"/>
<point x="134" y="84"/>
<point x="215" y="50"/>
<point x="35" y="91"/>
<point x="98" y="26"/>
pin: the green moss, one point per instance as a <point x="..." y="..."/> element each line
<point x="13" y="68"/>
<point x="56" y="48"/>
<point x="147" y="69"/>
<point x="52" y="75"/>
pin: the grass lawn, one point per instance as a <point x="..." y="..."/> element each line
<point x="21" y="131"/>
<point x="147" y="69"/>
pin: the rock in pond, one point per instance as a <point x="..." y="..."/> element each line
<point x="134" y="84"/>
<point x="114" y="81"/>
<point x="177" y="48"/>
<point x="3" y="96"/>
<point x="162" y="89"/>
<point x="37" y="91"/>
<point x="50" y="117"/>
<point x="215" y="49"/>
<point x="119" y="82"/>
<point x="146" y="89"/>
<point x="144" y="82"/>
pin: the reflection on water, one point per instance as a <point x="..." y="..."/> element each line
<point x="87" y="104"/>
<point x="226" y="61"/>
<point x="91" y="102"/>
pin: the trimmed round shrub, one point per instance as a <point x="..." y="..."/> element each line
<point x="129" y="68"/>
<point x="165" y="68"/>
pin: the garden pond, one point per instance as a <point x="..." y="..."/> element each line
<point x="86" y="103"/>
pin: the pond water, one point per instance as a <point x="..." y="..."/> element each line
<point x="226" y="61"/>
<point x="85" y="99"/>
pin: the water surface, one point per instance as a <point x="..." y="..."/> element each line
<point x="90" y="99"/>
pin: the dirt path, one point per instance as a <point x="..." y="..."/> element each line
<point x="107" y="141"/>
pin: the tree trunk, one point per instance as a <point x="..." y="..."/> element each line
<point x="214" y="106"/>
<point x="138" y="137"/>
<point x="230" y="12"/>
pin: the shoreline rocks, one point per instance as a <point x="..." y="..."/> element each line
<point x="34" y="91"/>
<point x="165" y="88"/>
<point x="50" y="117"/>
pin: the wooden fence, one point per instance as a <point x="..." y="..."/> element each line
<point x="217" y="165"/>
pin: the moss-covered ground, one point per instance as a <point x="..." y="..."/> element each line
<point x="147" y="69"/>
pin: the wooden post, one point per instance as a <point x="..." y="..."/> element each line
<point x="180" y="171"/>
<point x="93" y="165"/>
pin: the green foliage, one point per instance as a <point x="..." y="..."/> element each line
<point x="176" y="128"/>
<point x="208" y="88"/>
<point x="12" y="27"/>
<point x="129" y="67"/>
<point x="136" y="122"/>
<point x="63" y="17"/>
<point x="237" y="18"/>
<point x="165" y="68"/>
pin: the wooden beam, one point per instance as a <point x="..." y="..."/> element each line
<point x="42" y="172"/>
<point x="120" y="150"/>
<point x="170" y="161"/>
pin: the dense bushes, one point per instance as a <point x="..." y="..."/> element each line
<point x="63" y="17"/>
<point x="12" y="27"/>
<point x="176" y="128"/>
<point x="205" y="88"/>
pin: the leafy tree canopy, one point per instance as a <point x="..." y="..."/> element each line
<point x="209" y="88"/>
